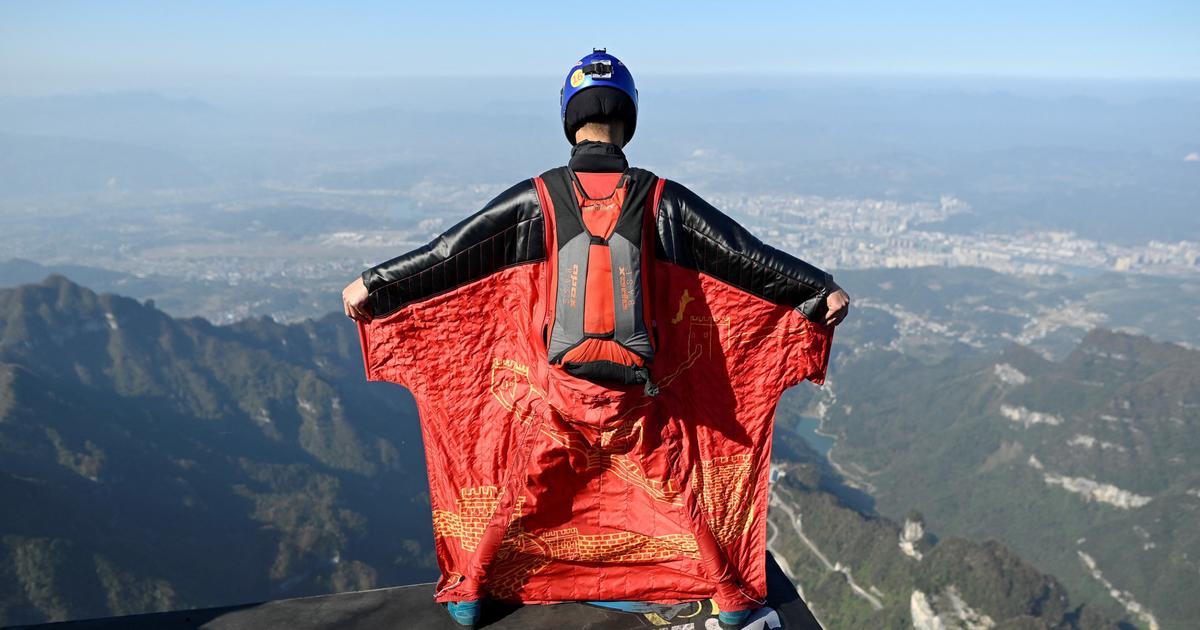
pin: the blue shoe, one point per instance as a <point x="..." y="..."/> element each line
<point x="733" y="619"/>
<point x="464" y="613"/>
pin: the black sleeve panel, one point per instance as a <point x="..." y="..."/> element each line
<point x="694" y="234"/>
<point x="509" y="230"/>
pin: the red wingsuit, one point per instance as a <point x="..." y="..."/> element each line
<point x="548" y="488"/>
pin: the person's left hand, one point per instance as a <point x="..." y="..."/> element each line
<point x="354" y="301"/>
<point x="837" y="306"/>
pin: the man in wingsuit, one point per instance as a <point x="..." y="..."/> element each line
<point x="596" y="357"/>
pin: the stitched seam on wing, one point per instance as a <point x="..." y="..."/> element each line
<point x="458" y="286"/>
<point x="473" y="246"/>
<point x="747" y="258"/>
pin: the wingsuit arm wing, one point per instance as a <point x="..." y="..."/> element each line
<point x="508" y="231"/>
<point x="698" y="236"/>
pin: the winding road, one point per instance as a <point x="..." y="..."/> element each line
<point x="844" y="570"/>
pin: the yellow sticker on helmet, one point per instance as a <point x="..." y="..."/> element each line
<point x="577" y="78"/>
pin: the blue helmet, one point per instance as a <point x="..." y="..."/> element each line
<point x="603" y="70"/>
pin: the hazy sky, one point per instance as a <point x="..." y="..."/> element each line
<point x="62" y="42"/>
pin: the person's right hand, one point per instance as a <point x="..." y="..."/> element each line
<point x="838" y="305"/>
<point x="354" y="301"/>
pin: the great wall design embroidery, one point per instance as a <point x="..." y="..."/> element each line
<point x="523" y="554"/>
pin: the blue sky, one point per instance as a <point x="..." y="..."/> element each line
<point x="125" y="41"/>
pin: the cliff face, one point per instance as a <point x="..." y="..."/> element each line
<point x="866" y="571"/>
<point x="149" y="463"/>
<point x="1086" y="465"/>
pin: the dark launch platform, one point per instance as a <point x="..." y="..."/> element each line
<point x="412" y="607"/>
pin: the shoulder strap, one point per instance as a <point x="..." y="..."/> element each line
<point x="568" y="219"/>
<point x="630" y="223"/>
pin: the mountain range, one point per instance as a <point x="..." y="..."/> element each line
<point x="151" y="462"/>
<point x="1085" y="464"/>
<point x="858" y="569"/>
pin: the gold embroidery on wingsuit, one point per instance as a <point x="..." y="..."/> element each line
<point x="475" y="509"/>
<point x="509" y="386"/>
<point x="683" y="302"/>
<point x="523" y="554"/>
<point x="748" y="337"/>
<point x="611" y="458"/>
<point x="725" y="496"/>
<point x="707" y="333"/>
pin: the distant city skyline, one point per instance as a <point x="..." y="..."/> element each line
<point x="125" y="42"/>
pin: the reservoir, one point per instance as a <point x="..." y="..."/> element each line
<point x="832" y="479"/>
<point x="807" y="427"/>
